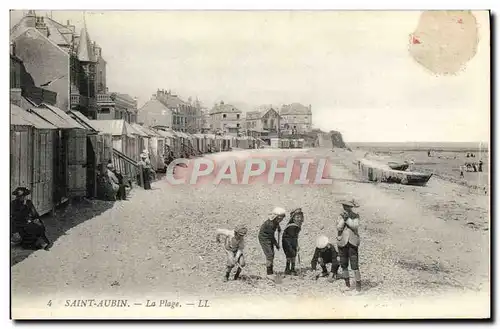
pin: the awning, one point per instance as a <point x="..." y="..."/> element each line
<point x="20" y="117"/>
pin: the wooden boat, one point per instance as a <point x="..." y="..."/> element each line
<point x="398" y="165"/>
<point x="378" y="172"/>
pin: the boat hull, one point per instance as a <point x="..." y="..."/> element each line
<point x="378" y="172"/>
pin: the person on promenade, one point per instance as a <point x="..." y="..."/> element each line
<point x="290" y="241"/>
<point x="348" y="242"/>
<point x="27" y="227"/>
<point x="145" y="168"/>
<point x="267" y="237"/>
<point x="324" y="254"/>
<point x="234" y="243"/>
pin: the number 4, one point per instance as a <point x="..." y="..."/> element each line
<point x="49" y="303"/>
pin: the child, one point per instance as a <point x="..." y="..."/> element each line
<point x="267" y="237"/>
<point x="234" y="243"/>
<point x="348" y="242"/>
<point x="324" y="254"/>
<point x="290" y="241"/>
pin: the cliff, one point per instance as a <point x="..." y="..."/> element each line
<point x="337" y="140"/>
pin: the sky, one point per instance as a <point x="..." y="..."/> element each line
<point x="354" y="68"/>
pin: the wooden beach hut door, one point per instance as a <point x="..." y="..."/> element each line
<point x="77" y="162"/>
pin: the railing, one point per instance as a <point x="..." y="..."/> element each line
<point x="126" y="165"/>
<point x="104" y="98"/>
<point x="79" y="100"/>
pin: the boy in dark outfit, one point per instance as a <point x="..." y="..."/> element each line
<point x="290" y="241"/>
<point x="324" y="254"/>
<point x="267" y="237"/>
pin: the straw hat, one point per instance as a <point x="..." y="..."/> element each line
<point x="321" y="242"/>
<point x="110" y="166"/>
<point x="144" y="155"/>
<point x="21" y="191"/>
<point x="279" y="211"/>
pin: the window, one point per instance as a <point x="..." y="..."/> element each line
<point x="105" y="110"/>
<point x="223" y="116"/>
<point x="237" y="116"/>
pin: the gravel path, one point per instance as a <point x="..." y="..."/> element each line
<point x="161" y="242"/>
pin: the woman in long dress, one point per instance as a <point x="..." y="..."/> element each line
<point x="26" y="223"/>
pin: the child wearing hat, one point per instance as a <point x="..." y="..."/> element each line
<point x="267" y="237"/>
<point x="234" y="242"/>
<point x="290" y="241"/>
<point x="325" y="254"/>
<point x="348" y="242"/>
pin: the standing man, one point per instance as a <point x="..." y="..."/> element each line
<point x="348" y="242"/>
<point x="267" y="237"/>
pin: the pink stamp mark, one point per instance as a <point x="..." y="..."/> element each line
<point x="250" y="170"/>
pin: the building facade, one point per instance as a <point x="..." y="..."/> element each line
<point x="295" y="119"/>
<point x="115" y="106"/>
<point x="226" y="119"/>
<point x="185" y="115"/>
<point x="154" y="113"/>
<point x="58" y="60"/>
<point x="263" y="122"/>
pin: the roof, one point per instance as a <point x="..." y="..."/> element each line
<point x="146" y="130"/>
<point x="112" y="127"/>
<point x="20" y="117"/>
<point x="82" y="120"/>
<point x="85" y="51"/>
<point x="64" y="115"/>
<point x="153" y="106"/>
<point x="56" y="117"/>
<point x="135" y="129"/>
<point x="165" y="133"/>
<point x="224" y="108"/>
<point x="171" y="101"/>
<point x="295" y="108"/>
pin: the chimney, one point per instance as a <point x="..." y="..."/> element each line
<point x="15" y="96"/>
<point x="67" y="23"/>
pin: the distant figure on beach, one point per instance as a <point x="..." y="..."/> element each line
<point x="429" y="153"/>
<point x="480" y="165"/>
<point x="461" y="171"/>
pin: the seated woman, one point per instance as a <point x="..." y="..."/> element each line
<point x="25" y="222"/>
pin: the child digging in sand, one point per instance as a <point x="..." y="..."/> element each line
<point x="234" y="242"/>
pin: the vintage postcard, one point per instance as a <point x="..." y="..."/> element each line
<point x="250" y="164"/>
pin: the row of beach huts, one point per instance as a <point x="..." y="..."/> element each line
<point x="63" y="155"/>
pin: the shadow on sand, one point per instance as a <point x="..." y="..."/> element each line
<point x="66" y="217"/>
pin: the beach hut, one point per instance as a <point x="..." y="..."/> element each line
<point x="156" y="148"/>
<point x="75" y="165"/>
<point x="141" y="137"/>
<point x="124" y="139"/>
<point x="32" y="149"/>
